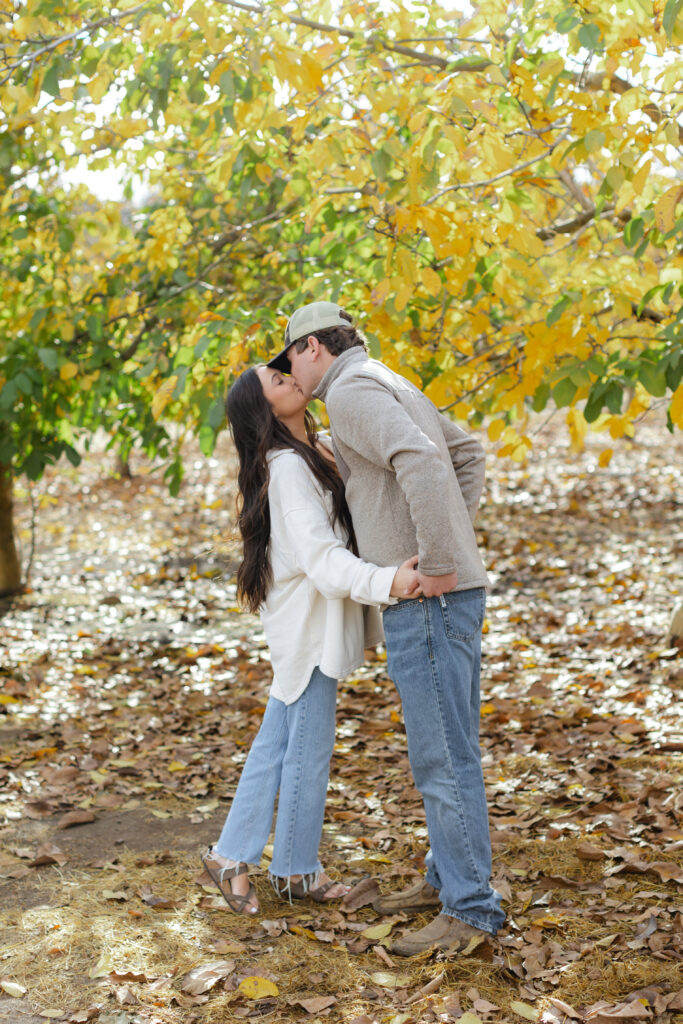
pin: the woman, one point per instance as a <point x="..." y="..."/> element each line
<point x="298" y="571"/>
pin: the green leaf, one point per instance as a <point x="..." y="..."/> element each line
<point x="671" y="12"/>
<point x="593" y="140"/>
<point x="563" y="392"/>
<point x="614" y="397"/>
<point x="72" y="455"/>
<point x="23" y="383"/>
<point x="93" y="326"/>
<point x="216" y="414"/>
<point x="48" y="358"/>
<point x="37" y="319"/>
<point x="633" y="231"/>
<point x="381" y="163"/>
<point x="566" y="21"/>
<point x="51" y="80"/>
<point x="557" y="310"/>
<point x="589" y="37"/>
<point x="541" y="396"/>
<point x="580" y="376"/>
<point x="202" y="345"/>
<point x="66" y="239"/>
<point x="8" y="394"/>
<point x="652" y="378"/>
<point x="207" y="439"/>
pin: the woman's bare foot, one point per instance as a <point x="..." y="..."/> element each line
<point x="236" y="885"/>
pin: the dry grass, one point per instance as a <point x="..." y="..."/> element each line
<point x="56" y="945"/>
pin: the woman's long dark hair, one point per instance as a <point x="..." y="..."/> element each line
<point x="256" y="430"/>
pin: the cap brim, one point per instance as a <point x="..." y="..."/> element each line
<point x="281" y="362"/>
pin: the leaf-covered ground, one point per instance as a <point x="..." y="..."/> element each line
<point x="131" y="690"/>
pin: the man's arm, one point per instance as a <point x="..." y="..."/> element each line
<point x="469" y="462"/>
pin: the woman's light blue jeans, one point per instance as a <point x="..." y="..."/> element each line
<point x="291" y="754"/>
<point x="433" y="657"/>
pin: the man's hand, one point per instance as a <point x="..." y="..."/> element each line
<point x="433" y="586"/>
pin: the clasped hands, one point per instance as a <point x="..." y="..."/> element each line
<point x="410" y="582"/>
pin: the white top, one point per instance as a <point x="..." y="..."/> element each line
<point x="310" y="616"/>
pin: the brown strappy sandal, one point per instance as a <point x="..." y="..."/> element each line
<point x="238" y="904"/>
<point x="303" y="889"/>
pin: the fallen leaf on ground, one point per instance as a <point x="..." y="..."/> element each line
<point x="201" y="979"/>
<point x="83" y="1016"/>
<point x="315" y="1004"/>
<point x="386" y="980"/>
<point x="361" y="895"/>
<point x="255" y="987"/>
<point x="524" y="1010"/>
<point x="75" y="818"/>
<point x="12" y="988"/>
<point x="48" y="854"/>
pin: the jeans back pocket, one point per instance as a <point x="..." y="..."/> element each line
<point x="463" y="613"/>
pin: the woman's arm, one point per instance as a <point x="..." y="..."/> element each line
<point x="304" y="521"/>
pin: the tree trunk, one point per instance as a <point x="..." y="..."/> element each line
<point x="10" y="570"/>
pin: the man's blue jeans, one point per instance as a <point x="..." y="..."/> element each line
<point x="433" y="657"/>
<point x="291" y="754"/>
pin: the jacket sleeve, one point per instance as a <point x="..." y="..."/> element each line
<point x="295" y="497"/>
<point x="396" y="443"/>
<point x="469" y="462"/>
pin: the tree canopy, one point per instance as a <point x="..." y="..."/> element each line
<point x="495" y="195"/>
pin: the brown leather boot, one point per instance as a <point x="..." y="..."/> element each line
<point x="443" y="931"/>
<point x="420" y="896"/>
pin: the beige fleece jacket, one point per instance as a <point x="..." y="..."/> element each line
<point x="413" y="478"/>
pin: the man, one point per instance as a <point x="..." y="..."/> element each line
<point x="413" y="482"/>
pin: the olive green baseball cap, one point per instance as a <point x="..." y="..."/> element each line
<point x="305" y="320"/>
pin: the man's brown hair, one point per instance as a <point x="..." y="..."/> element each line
<point x="335" y="339"/>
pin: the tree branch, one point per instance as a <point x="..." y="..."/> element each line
<point x="31" y="57"/>
<point x="496" y="177"/>
<point x="570" y="226"/>
<point x="594" y="82"/>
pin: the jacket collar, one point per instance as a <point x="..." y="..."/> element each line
<point x="352" y="355"/>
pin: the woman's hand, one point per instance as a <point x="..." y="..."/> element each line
<point x="406" y="581"/>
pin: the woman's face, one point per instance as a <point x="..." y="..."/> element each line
<point x="282" y="393"/>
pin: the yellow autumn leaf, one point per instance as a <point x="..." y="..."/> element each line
<point x="677" y="407"/>
<point x="431" y="281"/>
<point x="386" y="980"/>
<point x="297" y="929"/>
<point x="163" y="396"/>
<point x="524" y="1010"/>
<point x="640" y="177"/>
<point x="177" y="766"/>
<point x="103" y="966"/>
<point x="605" y="457"/>
<point x="665" y="208"/>
<point x="547" y="921"/>
<point x="378" y="931"/>
<point x="68" y="370"/>
<point x="254" y="987"/>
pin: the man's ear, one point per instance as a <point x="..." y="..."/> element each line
<point x="314" y="345"/>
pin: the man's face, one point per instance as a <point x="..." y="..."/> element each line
<point x="306" y="367"/>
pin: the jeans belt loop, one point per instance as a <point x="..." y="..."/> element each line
<point x="442" y="600"/>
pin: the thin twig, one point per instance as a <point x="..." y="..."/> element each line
<point x="497" y="177"/>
